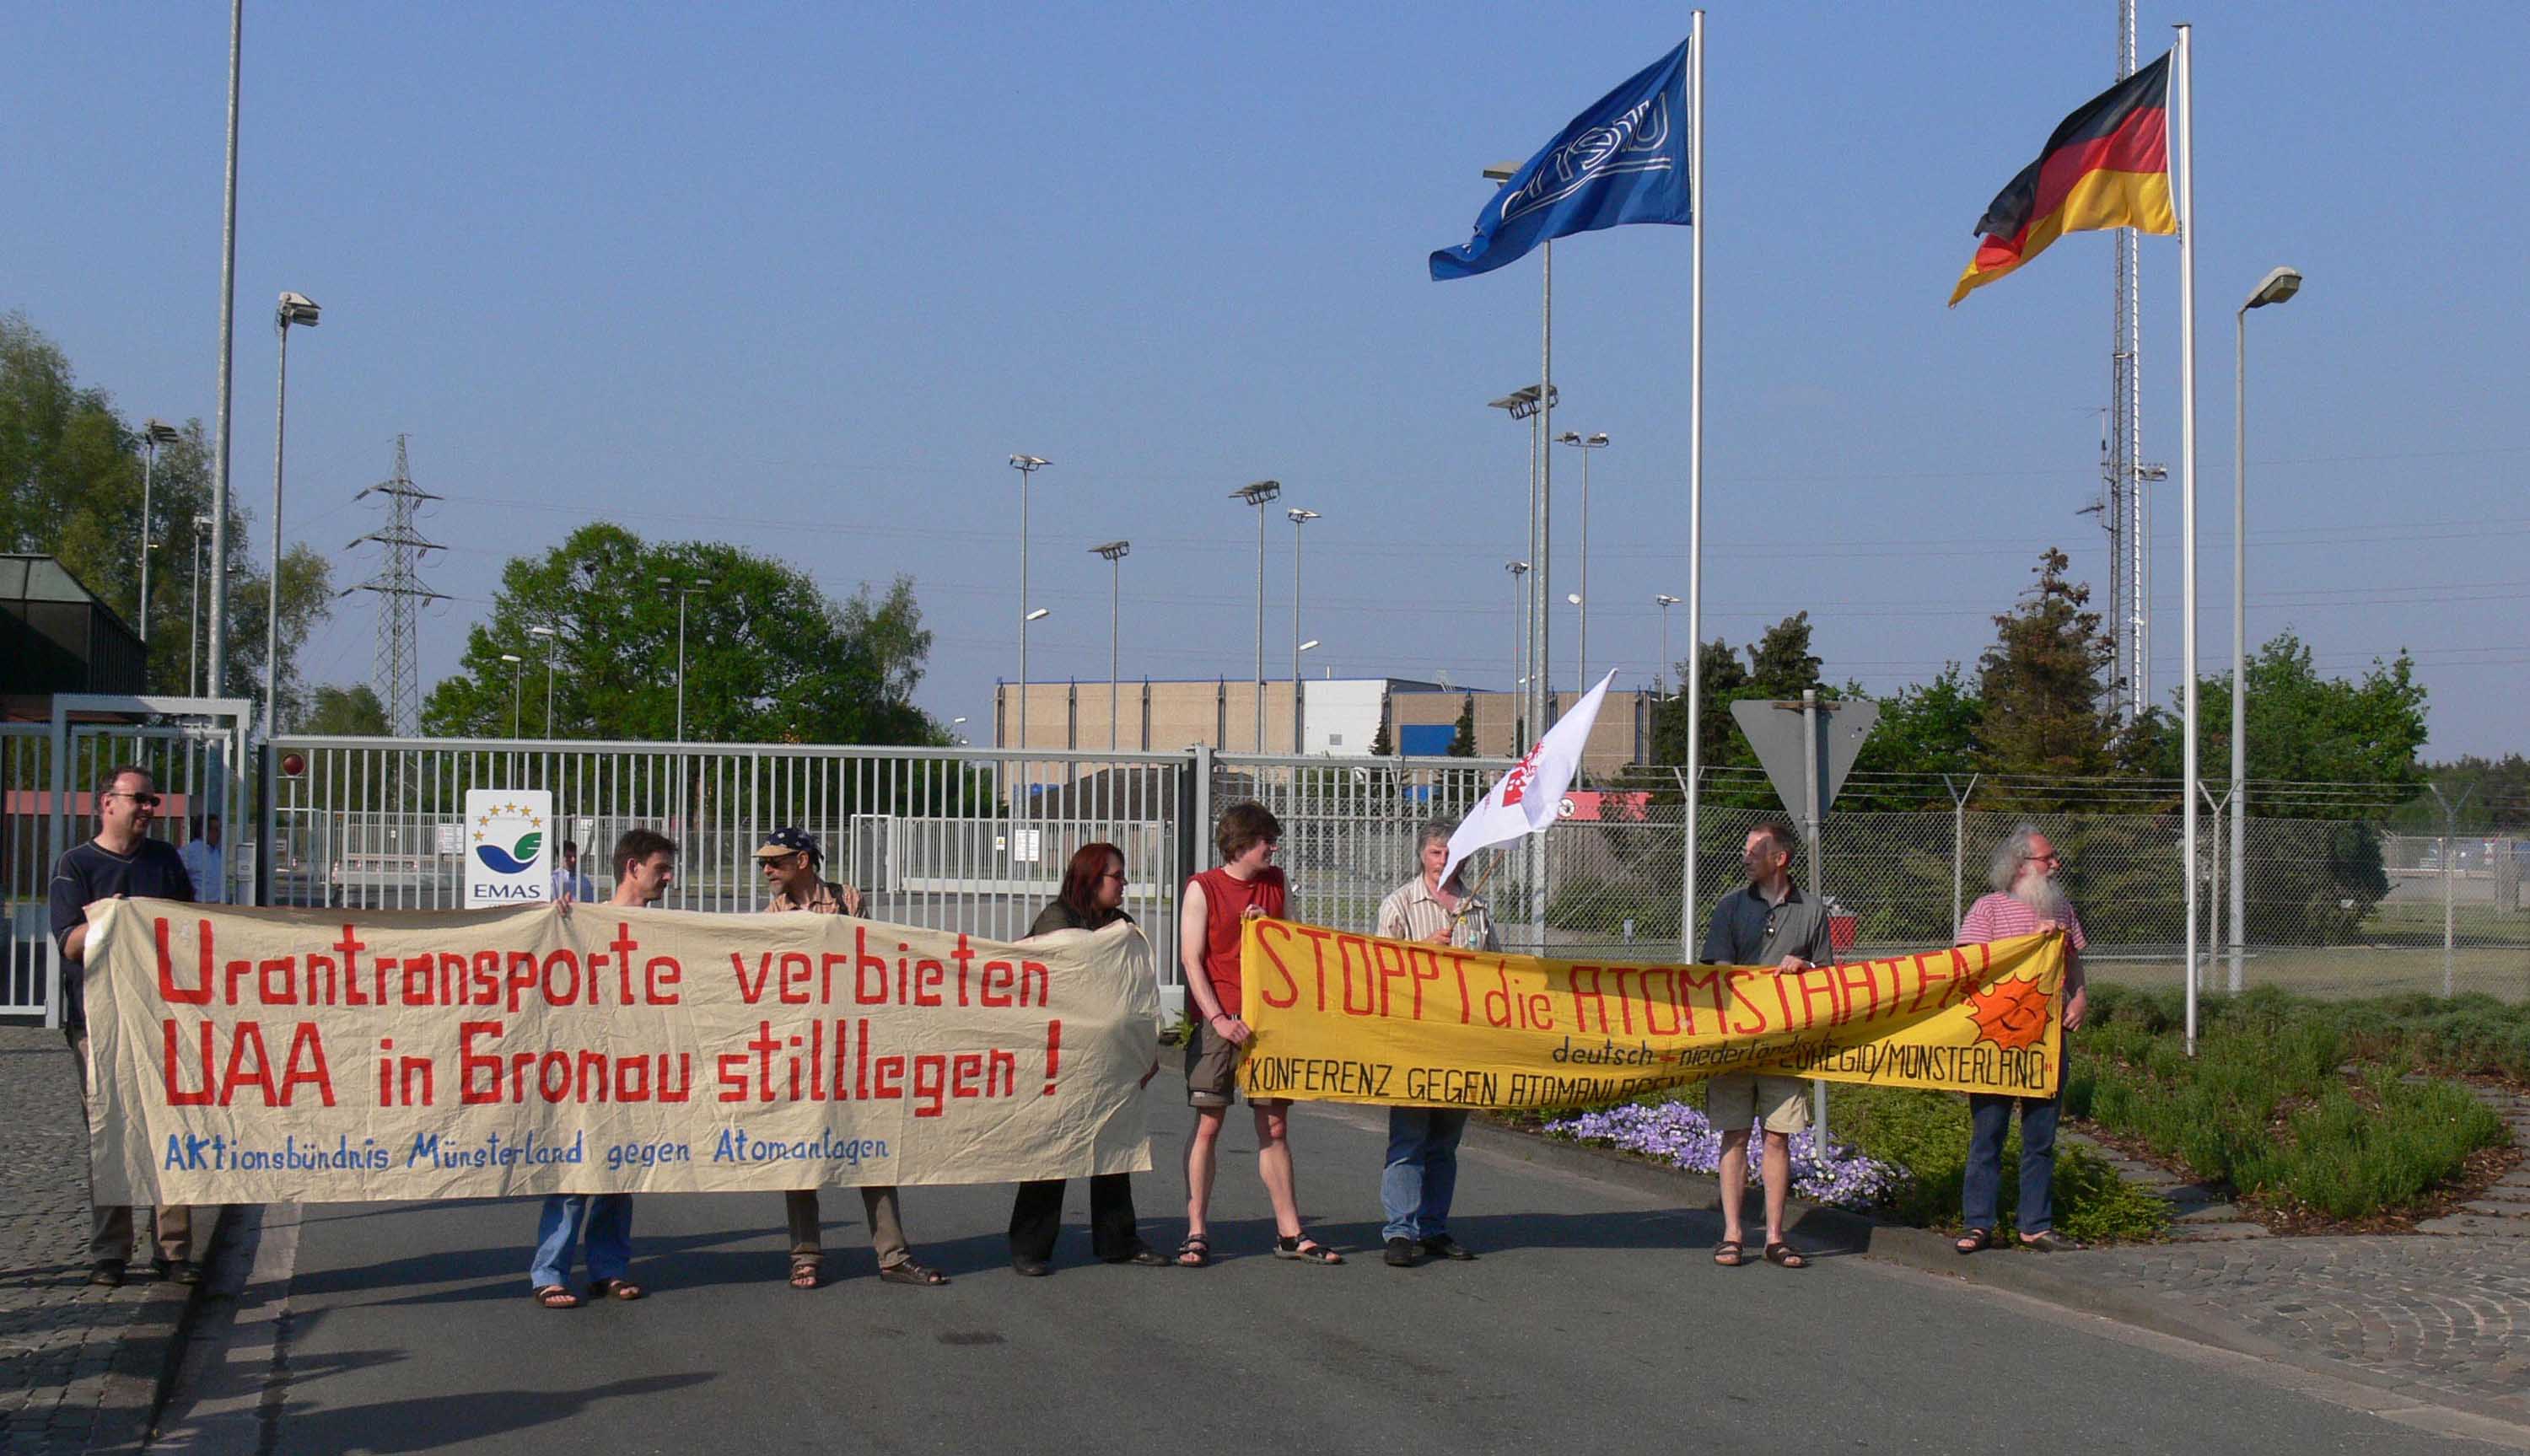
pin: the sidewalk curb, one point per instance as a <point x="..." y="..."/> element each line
<point x="1838" y="1231"/>
<point x="152" y="1351"/>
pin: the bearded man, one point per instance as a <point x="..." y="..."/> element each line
<point x="2026" y="899"/>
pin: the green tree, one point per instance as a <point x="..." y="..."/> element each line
<point x="71" y="487"/>
<point x="2042" y="685"/>
<point x="1925" y="729"/>
<point x="1463" y="743"/>
<point x="336" y="710"/>
<point x="2307" y="729"/>
<point x="1779" y="665"/>
<point x="769" y="657"/>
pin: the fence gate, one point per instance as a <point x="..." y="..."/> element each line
<point x="194" y="749"/>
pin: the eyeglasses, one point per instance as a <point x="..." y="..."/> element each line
<point x="1115" y="874"/>
<point x="144" y="800"/>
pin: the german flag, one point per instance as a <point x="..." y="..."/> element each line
<point x="2107" y="166"/>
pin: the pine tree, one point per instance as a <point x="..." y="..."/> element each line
<point x="1463" y="743"/>
<point x="2043" y="682"/>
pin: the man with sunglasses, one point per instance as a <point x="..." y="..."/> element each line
<point x="1769" y="921"/>
<point x="120" y="862"/>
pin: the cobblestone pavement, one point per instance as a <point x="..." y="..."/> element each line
<point x="2446" y="1310"/>
<point x="73" y="1356"/>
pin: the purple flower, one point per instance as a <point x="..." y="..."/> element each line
<point x="1678" y="1134"/>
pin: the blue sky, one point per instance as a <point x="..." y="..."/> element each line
<point x="801" y="277"/>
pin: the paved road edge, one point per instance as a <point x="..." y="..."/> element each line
<point x="152" y="1351"/>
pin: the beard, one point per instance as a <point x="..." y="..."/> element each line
<point x="2042" y="895"/>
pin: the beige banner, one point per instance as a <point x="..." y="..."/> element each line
<point x="251" y="1056"/>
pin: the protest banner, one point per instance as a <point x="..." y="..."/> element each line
<point x="248" y="1056"/>
<point x="1357" y="1018"/>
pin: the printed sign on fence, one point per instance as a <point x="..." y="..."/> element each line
<point x="249" y="1055"/>
<point x="505" y="837"/>
<point x="1355" y="1018"/>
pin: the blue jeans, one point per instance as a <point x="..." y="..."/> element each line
<point x="1423" y="1172"/>
<point x="1990" y="1119"/>
<point x="606" y="1218"/>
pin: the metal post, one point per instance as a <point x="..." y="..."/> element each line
<point x="148" y="469"/>
<point x="1114" y="639"/>
<point x="2239" y="797"/>
<point x="1260" y="626"/>
<point x="1959" y="846"/>
<point x="2184" y="93"/>
<point x="1299" y="518"/>
<point x="1026" y="473"/>
<point x="1694" y="475"/>
<point x="194" y="621"/>
<point x="215" y="658"/>
<point x="272" y="586"/>
<point x="552" y="639"/>
<point x="1541" y="693"/>
<point x="1813" y="769"/>
<point x="2451" y="912"/>
<point x="518" y="676"/>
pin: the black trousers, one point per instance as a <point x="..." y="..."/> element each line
<point x="1036" y="1218"/>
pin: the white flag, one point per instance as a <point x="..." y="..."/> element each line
<point x="1525" y="800"/>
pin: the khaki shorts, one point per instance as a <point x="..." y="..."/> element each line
<point x="1736" y="1100"/>
<point x="1212" y="1070"/>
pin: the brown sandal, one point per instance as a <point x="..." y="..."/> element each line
<point x="804" y="1273"/>
<point x="1729" y="1254"/>
<point x="555" y="1297"/>
<point x="911" y="1272"/>
<point x="1974" y="1241"/>
<point x="624" y="1289"/>
<point x="1784" y="1255"/>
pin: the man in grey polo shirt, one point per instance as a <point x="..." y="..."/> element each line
<point x="1768" y="922"/>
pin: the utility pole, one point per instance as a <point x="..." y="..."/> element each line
<point x="1115" y="552"/>
<point x="1298" y="519"/>
<point x="400" y="594"/>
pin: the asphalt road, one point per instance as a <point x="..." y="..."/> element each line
<point x="1594" y="1323"/>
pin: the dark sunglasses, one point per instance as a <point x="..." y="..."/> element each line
<point x="144" y="800"/>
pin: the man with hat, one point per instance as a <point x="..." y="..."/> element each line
<point x="790" y="859"/>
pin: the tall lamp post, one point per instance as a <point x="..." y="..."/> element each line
<point x="1259" y="494"/>
<point x="1518" y="650"/>
<point x="1028" y="465"/>
<point x="552" y="639"/>
<point x="295" y="308"/>
<point x="215" y="657"/>
<point x="1532" y="402"/>
<point x="1115" y="552"/>
<point x="1580" y="608"/>
<point x="1659" y="680"/>
<point x="155" y="433"/>
<point x="1581" y="648"/>
<point x="518" y="676"/>
<point x="1298" y="519"/>
<point x="684" y="594"/>
<point x="2277" y="287"/>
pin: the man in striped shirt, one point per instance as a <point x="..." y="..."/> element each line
<point x="1422" y="1170"/>
<point x="2026" y="899"/>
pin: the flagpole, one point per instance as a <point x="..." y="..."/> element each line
<point x="2182" y="79"/>
<point x="1694" y="478"/>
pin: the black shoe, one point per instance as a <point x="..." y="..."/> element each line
<point x="1442" y="1246"/>
<point x="1142" y="1256"/>
<point x="160" y="1271"/>
<point x="1401" y="1253"/>
<point x="1031" y="1269"/>
<point x="107" y="1273"/>
<point x="188" y="1272"/>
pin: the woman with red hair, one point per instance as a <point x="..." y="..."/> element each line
<point x="1092" y="899"/>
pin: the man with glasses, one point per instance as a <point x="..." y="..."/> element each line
<point x="790" y="860"/>
<point x="120" y="862"/>
<point x="1767" y="923"/>
<point x="2026" y="900"/>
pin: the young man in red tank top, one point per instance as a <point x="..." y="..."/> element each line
<point x="1210" y="917"/>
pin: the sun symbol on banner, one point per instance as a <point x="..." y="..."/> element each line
<point x="2013" y="1015"/>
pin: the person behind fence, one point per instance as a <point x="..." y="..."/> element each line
<point x="121" y="861"/>
<point x="1768" y="922"/>
<point x="570" y="881"/>
<point x="645" y="864"/>
<point x="1211" y="914"/>
<point x="791" y="858"/>
<point x="1092" y="897"/>
<point x="1421" y="1174"/>
<point x="2025" y="900"/>
<point x="207" y="862"/>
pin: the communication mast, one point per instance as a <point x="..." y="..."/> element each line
<point x="401" y="595"/>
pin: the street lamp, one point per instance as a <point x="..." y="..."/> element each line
<point x="1660" y="679"/>
<point x="517" y="674"/>
<point x="552" y="639"/>
<point x="294" y="309"/>
<point x="1298" y="519"/>
<point x="954" y="733"/>
<point x="194" y="614"/>
<point x="1534" y="404"/>
<point x="1585" y="444"/>
<point x="683" y="593"/>
<point x="1259" y="494"/>
<point x="1579" y="606"/>
<point x="153" y="434"/>
<point x="2277" y="287"/>
<point x="1519" y="637"/>
<point x="1115" y="552"/>
<point x="1028" y="465"/>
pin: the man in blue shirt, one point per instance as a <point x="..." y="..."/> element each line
<point x="121" y="861"/>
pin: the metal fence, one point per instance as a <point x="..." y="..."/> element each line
<point x="940" y="837"/>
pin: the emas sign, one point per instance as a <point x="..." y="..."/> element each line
<point x="505" y="847"/>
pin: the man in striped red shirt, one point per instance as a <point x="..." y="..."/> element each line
<point x="2026" y="899"/>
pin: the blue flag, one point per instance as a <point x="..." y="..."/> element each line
<point x="1621" y="161"/>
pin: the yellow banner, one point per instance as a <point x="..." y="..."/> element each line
<point x="1355" y="1018"/>
<point x="249" y="1055"/>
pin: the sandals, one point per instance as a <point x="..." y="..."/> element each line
<point x="804" y="1273"/>
<point x="1305" y="1249"/>
<point x="1784" y="1255"/>
<point x="911" y="1272"/>
<point x="1194" y="1252"/>
<point x="623" y="1289"/>
<point x="2047" y="1241"/>
<point x="1974" y="1241"/>
<point x="555" y="1297"/>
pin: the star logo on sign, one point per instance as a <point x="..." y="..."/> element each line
<point x="479" y="836"/>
